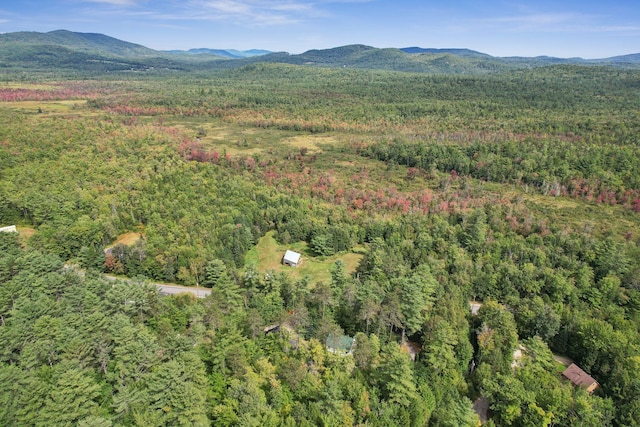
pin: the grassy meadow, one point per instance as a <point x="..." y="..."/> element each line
<point x="267" y="255"/>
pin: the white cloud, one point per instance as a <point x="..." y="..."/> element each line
<point x="245" y="11"/>
<point x="260" y="12"/>
<point x="248" y="13"/>
<point x="556" y="23"/>
<point x="540" y="22"/>
<point x="227" y="6"/>
<point x="115" y="2"/>
<point x="621" y="29"/>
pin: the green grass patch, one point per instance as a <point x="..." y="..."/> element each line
<point x="25" y="234"/>
<point x="312" y="143"/>
<point x="560" y="363"/>
<point x="30" y="86"/>
<point x="233" y="139"/>
<point x="46" y="107"/>
<point x="583" y="216"/>
<point x="127" y="239"/>
<point x="559" y="367"/>
<point x="267" y="256"/>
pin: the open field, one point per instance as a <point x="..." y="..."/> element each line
<point x="26" y="232"/>
<point x="312" y="143"/>
<point x="44" y="107"/>
<point x="128" y="239"/>
<point x="30" y="86"/>
<point x="267" y="256"/>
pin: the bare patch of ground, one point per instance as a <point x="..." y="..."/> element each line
<point x="127" y="239"/>
<point x="481" y="408"/>
<point x="345" y="163"/>
<point x="26" y="232"/>
<point x="310" y="142"/>
<point x="562" y="359"/>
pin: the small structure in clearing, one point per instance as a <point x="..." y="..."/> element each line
<point x="9" y="229"/>
<point x="517" y="356"/>
<point x="291" y="258"/>
<point x="475" y="307"/>
<point x="578" y="377"/>
<point x="339" y="344"/>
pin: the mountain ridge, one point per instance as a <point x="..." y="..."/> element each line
<point x="98" y="52"/>
<point x="86" y="42"/>
<point x="225" y="53"/>
<point x="454" y="51"/>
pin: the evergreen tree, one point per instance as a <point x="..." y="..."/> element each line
<point x="214" y="272"/>
<point x="72" y="398"/>
<point x="395" y="376"/>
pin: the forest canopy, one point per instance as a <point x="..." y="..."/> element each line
<point x="409" y="196"/>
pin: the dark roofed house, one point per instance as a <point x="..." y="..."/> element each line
<point x="578" y="377"/>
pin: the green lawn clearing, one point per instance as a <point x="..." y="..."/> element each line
<point x="127" y="239"/>
<point x="267" y="256"/>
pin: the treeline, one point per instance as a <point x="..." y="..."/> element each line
<point x="601" y="173"/>
<point x="590" y="104"/>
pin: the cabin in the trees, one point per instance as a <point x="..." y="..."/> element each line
<point x="516" y="359"/>
<point x="578" y="377"/>
<point x="9" y="229"/>
<point x="291" y="258"/>
<point x="339" y="344"/>
<point x="475" y="307"/>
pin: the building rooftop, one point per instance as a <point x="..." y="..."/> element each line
<point x="291" y="256"/>
<point x="577" y="376"/>
<point x="339" y="343"/>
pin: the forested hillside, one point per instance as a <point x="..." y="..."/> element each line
<point x="409" y="196"/>
<point x="79" y="54"/>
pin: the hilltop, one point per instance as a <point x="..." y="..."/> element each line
<point x="66" y="50"/>
<point x="225" y="53"/>
<point x="80" y="42"/>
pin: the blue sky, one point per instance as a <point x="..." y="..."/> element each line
<point x="589" y="29"/>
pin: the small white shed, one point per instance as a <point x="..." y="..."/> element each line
<point x="9" y="229"/>
<point x="475" y="307"/>
<point x="291" y="258"/>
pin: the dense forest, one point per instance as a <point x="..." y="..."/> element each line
<point x="410" y="196"/>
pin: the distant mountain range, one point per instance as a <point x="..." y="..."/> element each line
<point x="466" y="53"/>
<point x="225" y="53"/>
<point x="87" y="52"/>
